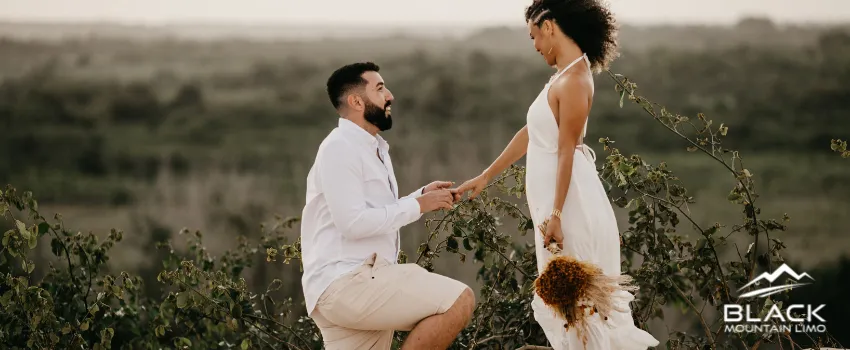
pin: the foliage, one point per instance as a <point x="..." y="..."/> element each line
<point x="675" y="269"/>
<point x="205" y="302"/>
<point x="77" y="304"/>
<point x="840" y="146"/>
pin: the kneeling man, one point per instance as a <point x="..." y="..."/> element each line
<point x="355" y="290"/>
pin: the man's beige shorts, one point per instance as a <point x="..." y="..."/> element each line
<point x="362" y="309"/>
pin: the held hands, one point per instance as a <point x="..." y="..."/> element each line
<point x="436" y="196"/>
<point x="476" y="185"/>
<point x="437" y="185"/>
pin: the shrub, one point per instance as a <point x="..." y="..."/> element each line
<point x="205" y="302"/>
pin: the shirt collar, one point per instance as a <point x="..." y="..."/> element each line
<point x="360" y="135"/>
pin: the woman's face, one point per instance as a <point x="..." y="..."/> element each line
<point x="543" y="39"/>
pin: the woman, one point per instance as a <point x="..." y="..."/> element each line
<point x="577" y="37"/>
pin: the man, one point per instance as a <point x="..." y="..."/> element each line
<point x="356" y="292"/>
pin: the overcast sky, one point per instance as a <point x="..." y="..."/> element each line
<point x="417" y="11"/>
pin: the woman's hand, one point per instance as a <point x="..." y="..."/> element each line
<point x="476" y="185"/>
<point x="551" y="230"/>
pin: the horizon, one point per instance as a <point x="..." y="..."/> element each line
<point x="260" y="13"/>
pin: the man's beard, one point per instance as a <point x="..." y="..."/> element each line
<point x="378" y="116"/>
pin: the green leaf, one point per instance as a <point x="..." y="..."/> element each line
<point x="236" y="311"/>
<point x="451" y="244"/>
<point x="6" y="298"/>
<point x="67" y="328"/>
<point x="94" y="309"/>
<point x="182" y="299"/>
<point x="56" y="247"/>
<point x="181" y="341"/>
<point x="84" y="326"/>
<point x="246" y="343"/>
<point x="32" y="242"/>
<point x="107" y="334"/>
<point x="457" y="232"/>
<point x="734" y="196"/>
<point x="275" y="285"/>
<point x="159" y="331"/>
<point x="22" y="228"/>
<point x="466" y="244"/>
<point x="622" y="96"/>
<point x="43" y="227"/>
<point x="622" y="179"/>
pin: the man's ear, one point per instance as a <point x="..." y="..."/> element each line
<point x="354" y="102"/>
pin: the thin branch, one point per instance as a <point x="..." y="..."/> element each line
<point x="636" y="188"/>
<point x="214" y="303"/>
<point x="270" y="317"/>
<point x="454" y="210"/>
<point x="507" y="259"/>
<point x="699" y="314"/>
<point x="492" y="337"/>
<point x="751" y="213"/>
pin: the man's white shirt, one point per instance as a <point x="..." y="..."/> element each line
<point x="352" y="208"/>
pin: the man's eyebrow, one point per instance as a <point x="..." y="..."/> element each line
<point x="379" y="84"/>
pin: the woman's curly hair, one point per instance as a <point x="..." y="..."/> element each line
<point x="588" y="22"/>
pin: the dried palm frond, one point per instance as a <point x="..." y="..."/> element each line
<point x="576" y="290"/>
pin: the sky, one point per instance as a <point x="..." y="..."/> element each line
<point x="372" y="12"/>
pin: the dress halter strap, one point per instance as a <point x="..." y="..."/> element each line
<point x="558" y="74"/>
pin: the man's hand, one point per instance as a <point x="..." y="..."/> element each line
<point x="435" y="200"/>
<point x="437" y="185"/>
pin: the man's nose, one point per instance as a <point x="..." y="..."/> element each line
<point x="389" y="95"/>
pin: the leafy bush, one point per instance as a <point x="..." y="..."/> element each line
<point x="205" y="302"/>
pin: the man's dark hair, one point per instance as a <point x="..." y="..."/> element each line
<point x="588" y="22"/>
<point x="346" y="78"/>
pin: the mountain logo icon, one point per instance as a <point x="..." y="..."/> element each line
<point x="771" y="277"/>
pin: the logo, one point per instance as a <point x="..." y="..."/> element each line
<point x="772" y="277"/>
<point x="772" y="318"/>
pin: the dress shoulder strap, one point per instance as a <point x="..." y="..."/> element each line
<point x="562" y="71"/>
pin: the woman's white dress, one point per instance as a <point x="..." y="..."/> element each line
<point x="588" y="224"/>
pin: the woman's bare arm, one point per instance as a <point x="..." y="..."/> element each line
<point x="571" y="112"/>
<point x="511" y="154"/>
